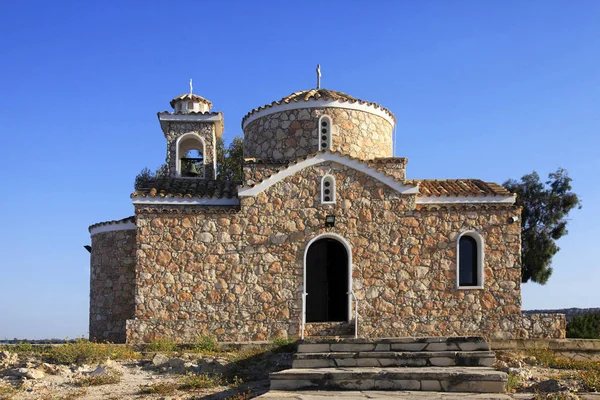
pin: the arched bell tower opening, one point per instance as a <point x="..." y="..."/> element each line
<point x="327" y="279"/>
<point x="190" y="156"/>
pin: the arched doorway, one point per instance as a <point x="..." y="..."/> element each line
<point x="327" y="280"/>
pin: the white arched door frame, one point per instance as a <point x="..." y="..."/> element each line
<point x="349" y="293"/>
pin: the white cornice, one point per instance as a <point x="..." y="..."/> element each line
<point x="191" y="117"/>
<point x="467" y="200"/>
<point x="323" y="157"/>
<point x="320" y="103"/>
<point x="215" y="118"/>
<point x="115" y="226"/>
<point x="188" y="201"/>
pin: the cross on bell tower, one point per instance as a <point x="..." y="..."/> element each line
<point x="318" y="76"/>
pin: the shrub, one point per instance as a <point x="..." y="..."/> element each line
<point x="584" y="327"/>
<point x="97" y="380"/>
<point x="84" y="351"/>
<point x="200" y="381"/>
<point x="283" y="345"/>
<point x="590" y="380"/>
<point x="205" y="344"/>
<point x="513" y="382"/>
<point x="241" y="396"/>
<point x="547" y="358"/>
<point x="160" y="388"/>
<point x="162" y="344"/>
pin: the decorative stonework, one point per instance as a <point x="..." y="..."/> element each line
<point x="239" y="276"/>
<point x="112" y="284"/>
<point x="293" y="133"/>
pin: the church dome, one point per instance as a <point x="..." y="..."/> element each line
<point x="319" y="95"/>
<point x="318" y="120"/>
<point x="188" y="102"/>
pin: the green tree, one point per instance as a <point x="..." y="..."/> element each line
<point x="543" y="220"/>
<point x="230" y="159"/>
<point x="584" y="326"/>
<point x="146" y="176"/>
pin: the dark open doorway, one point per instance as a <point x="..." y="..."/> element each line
<point x="327" y="281"/>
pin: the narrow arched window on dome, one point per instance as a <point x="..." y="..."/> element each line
<point x="325" y="129"/>
<point x="328" y="189"/>
<point x="470" y="260"/>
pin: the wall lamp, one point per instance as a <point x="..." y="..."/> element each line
<point x="330" y="221"/>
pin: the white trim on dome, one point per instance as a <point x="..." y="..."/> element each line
<point x="112" y="227"/>
<point x="467" y="200"/>
<point x="319" y="103"/>
<point x="323" y="157"/>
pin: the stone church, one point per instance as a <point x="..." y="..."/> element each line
<point x="324" y="236"/>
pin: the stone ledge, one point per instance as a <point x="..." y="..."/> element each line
<point x="448" y="379"/>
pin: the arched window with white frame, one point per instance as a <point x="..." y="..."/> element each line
<point x="325" y="129"/>
<point x="469" y="260"/>
<point x="328" y="189"/>
<point x="190" y="156"/>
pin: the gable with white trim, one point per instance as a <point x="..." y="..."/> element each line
<point x="325" y="157"/>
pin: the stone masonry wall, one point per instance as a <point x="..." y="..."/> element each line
<point x="205" y="130"/>
<point x="112" y="284"/>
<point x="292" y="134"/>
<point x="239" y="275"/>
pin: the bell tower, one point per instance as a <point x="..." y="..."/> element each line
<point x="191" y="130"/>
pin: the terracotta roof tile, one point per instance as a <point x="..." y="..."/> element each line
<point x="117" y="221"/>
<point x="187" y="187"/>
<point x="316" y="94"/>
<point x="458" y="187"/>
<point x="191" y="112"/>
<point x="188" y="96"/>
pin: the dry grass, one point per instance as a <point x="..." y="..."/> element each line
<point x="160" y="388"/>
<point x="98" y="380"/>
<point x="590" y="380"/>
<point x="69" y="396"/>
<point x="200" y="381"/>
<point x="83" y="351"/>
<point x="241" y="396"/>
<point x="513" y="383"/>
<point x="7" y="392"/>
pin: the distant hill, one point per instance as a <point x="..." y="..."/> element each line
<point x="569" y="312"/>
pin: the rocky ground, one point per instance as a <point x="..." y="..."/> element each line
<point x="113" y="373"/>
<point x="173" y="375"/>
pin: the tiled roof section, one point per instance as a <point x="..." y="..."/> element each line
<point x="188" y="188"/>
<point x="265" y="161"/>
<point x="189" y="96"/>
<point x="316" y="94"/>
<point x="117" y="221"/>
<point x="389" y="160"/>
<point x="458" y="187"/>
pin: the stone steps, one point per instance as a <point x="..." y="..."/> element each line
<point x="394" y="359"/>
<point x="447" y="379"/>
<point x="454" y="364"/>
<point x="459" y="343"/>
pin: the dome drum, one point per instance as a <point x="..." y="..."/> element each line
<point x="294" y="133"/>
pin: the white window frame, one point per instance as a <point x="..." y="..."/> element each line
<point x="329" y="132"/>
<point x="480" y="259"/>
<point x="178" y="156"/>
<point x="333" y="191"/>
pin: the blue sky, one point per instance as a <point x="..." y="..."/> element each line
<point x="480" y="89"/>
